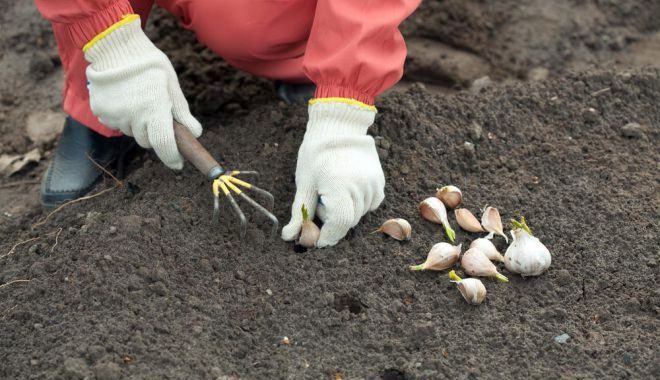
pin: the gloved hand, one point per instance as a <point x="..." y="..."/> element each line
<point x="338" y="162"/>
<point x="134" y="88"/>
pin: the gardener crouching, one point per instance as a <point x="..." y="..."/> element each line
<point x="118" y="82"/>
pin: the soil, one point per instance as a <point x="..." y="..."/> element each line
<point x="139" y="284"/>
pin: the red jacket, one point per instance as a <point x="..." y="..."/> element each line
<point x="354" y="50"/>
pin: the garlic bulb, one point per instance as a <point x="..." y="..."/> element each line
<point x="398" y="229"/>
<point x="526" y="255"/>
<point x="440" y="257"/>
<point x="488" y="248"/>
<point x="472" y="289"/>
<point x="432" y="209"/>
<point x="492" y="222"/>
<point x="467" y="220"/>
<point x="451" y="196"/>
<point x="476" y="263"/>
<point x="309" y="231"/>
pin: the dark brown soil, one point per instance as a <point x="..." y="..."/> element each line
<point x="139" y="284"/>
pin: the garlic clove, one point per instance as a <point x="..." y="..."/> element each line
<point x="397" y="228"/>
<point x="432" y="209"/>
<point x="488" y="248"/>
<point x="472" y="289"/>
<point x="451" y="196"/>
<point x="309" y="234"/>
<point x="526" y="255"/>
<point x="467" y="220"/>
<point x="441" y="256"/>
<point x="309" y="231"/>
<point x="476" y="263"/>
<point x="492" y="222"/>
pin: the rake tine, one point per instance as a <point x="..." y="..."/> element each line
<point x="263" y="210"/>
<point x="216" y="210"/>
<point x="241" y="172"/>
<point x="240" y="215"/>
<point x="270" y="198"/>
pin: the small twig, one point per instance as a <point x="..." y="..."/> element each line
<point x="13" y="282"/>
<point x="19" y="183"/>
<point x="118" y="184"/>
<point x="56" y="236"/>
<point x="4" y="315"/>
<point x="104" y="170"/>
<point x="11" y="251"/>
<point x="44" y="220"/>
<point x="596" y="93"/>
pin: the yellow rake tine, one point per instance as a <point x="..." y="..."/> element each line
<point x="240" y="182"/>
<point x="216" y="187"/>
<point x="231" y="186"/>
<point x="224" y="188"/>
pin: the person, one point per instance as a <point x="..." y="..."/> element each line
<point x="117" y="82"/>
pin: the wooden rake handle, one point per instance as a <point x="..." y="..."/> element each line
<point x="195" y="153"/>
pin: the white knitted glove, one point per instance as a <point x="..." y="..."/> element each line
<point x="338" y="162"/>
<point x="134" y="88"/>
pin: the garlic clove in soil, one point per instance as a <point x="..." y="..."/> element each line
<point x="488" y="248"/>
<point x="451" y="196"/>
<point x="526" y="255"/>
<point x="397" y="228"/>
<point x="467" y="220"/>
<point x="492" y="222"/>
<point x="472" y="289"/>
<point x="309" y="232"/>
<point x="432" y="209"/>
<point x="476" y="263"/>
<point x="440" y="257"/>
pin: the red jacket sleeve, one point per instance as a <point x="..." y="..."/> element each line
<point x="355" y="49"/>
<point x="76" y="22"/>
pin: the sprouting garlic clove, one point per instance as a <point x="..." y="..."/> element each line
<point x="450" y="195"/>
<point x="476" y="263"/>
<point x="488" y="248"/>
<point x="526" y="255"/>
<point x="467" y="220"/>
<point x="492" y="222"/>
<point x="472" y="289"/>
<point x="432" y="209"/>
<point x="309" y="234"/>
<point x="441" y="256"/>
<point x="309" y="231"/>
<point x="397" y="228"/>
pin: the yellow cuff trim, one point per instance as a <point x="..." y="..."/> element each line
<point x="343" y="100"/>
<point x="125" y="20"/>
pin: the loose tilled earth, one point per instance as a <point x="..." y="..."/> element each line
<point x="137" y="283"/>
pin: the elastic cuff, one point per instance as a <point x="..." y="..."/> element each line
<point x="343" y="100"/>
<point x="337" y="91"/>
<point x="86" y="29"/>
<point x="125" y="20"/>
<point x="339" y="118"/>
<point x="121" y="44"/>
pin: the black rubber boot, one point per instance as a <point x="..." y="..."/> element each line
<point x="71" y="174"/>
<point x="295" y="93"/>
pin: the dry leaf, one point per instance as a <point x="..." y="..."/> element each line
<point x="11" y="164"/>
